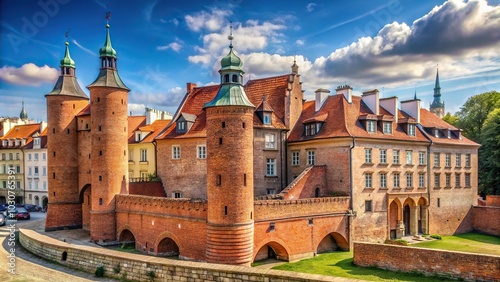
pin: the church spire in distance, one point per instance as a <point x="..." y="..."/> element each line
<point x="437" y="106"/>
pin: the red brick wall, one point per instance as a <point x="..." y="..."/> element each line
<point x="150" y="188"/>
<point x="467" y="266"/>
<point x="64" y="209"/>
<point x="493" y="201"/>
<point x="306" y="184"/>
<point x="486" y="220"/>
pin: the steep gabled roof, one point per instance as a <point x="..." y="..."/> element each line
<point x="24" y="131"/>
<point x="134" y="122"/>
<point x="430" y="120"/>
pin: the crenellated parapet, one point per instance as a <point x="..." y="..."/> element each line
<point x="188" y="208"/>
<point x="280" y="209"/>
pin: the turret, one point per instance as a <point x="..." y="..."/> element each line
<point x="229" y="118"/>
<point x="437" y="106"/>
<point x="109" y="160"/>
<point x="64" y="102"/>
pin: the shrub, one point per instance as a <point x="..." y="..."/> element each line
<point x="436" y="236"/>
<point x="400" y="242"/>
<point x="99" y="271"/>
<point x="117" y="269"/>
<point x="151" y="274"/>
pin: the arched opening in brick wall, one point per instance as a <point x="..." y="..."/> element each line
<point x="410" y="217"/>
<point x="272" y="250"/>
<point x="332" y="242"/>
<point x="127" y="239"/>
<point x="85" y="201"/>
<point x="423" y="216"/>
<point x="45" y="203"/>
<point x="168" y="248"/>
<point x="396" y="227"/>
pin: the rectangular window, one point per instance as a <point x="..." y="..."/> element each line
<point x="467" y="160"/>
<point x="368" y="206"/>
<point x="383" y="156"/>
<point x="387" y="127"/>
<point x="409" y="157"/>
<point x="270" y="141"/>
<point x="18" y="184"/>
<point x="44" y="156"/>
<point x="383" y="180"/>
<point x="17" y="156"/>
<point x="202" y="152"/>
<point x="436" y="160"/>
<point x="447" y="161"/>
<point x="421" y="180"/>
<point x="395" y="156"/>
<point x="36" y="156"/>
<point x="368" y="156"/>
<point x="310" y="158"/>
<point x="368" y="180"/>
<point x="176" y="195"/>
<point x="457" y="180"/>
<point x="3" y="156"/>
<point x="411" y="130"/>
<point x="36" y="170"/>
<point x="267" y="118"/>
<point x="295" y="158"/>
<point x="421" y="158"/>
<point x="271" y="167"/>
<point x="10" y="156"/>
<point x="44" y="185"/>
<point x="176" y="152"/>
<point x="409" y="180"/>
<point x="396" y="180"/>
<point x="448" y="180"/>
<point x="144" y="155"/>
<point x="29" y="170"/>
<point x="467" y="180"/>
<point x="18" y="169"/>
<point x="44" y="171"/>
<point x="458" y="159"/>
<point x="30" y="185"/>
<point x="370" y="126"/>
<point x="437" y="182"/>
<point x="130" y="155"/>
<point x="270" y="191"/>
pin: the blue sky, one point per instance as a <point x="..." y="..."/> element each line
<point x="393" y="46"/>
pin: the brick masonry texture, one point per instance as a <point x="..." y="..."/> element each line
<point x="486" y="220"/>
<point x="467" y="266"/>
<point x="136" y="267"/>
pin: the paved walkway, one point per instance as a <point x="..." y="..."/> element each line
<point x="30" y="268"/>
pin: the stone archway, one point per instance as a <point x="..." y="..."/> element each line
<point x="167" y="247"/>
<point x="45" y="202"/>
<point x="127" y="239"/>
<point x="423" y="216"/>
<point x="396" y="222"/>
<point x="332" y="242"/>
<point x="410" y="217"/>
<point x="272" y="250"/>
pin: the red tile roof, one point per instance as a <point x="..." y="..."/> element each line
<point x="430" y="121"/>
<point x="25" y="131"/>
<point x="85" y="111"/>
<point x="134" y="122"/>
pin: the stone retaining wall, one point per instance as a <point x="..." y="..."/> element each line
<point x="467" y="266"/>
<point x="136" y="267"/>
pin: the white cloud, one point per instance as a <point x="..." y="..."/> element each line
<point x="211" y="21"/>
<point x="300" y="42"/>
<point x="83" y="48"/>
<point x="310" y="7"/>
<point x="263" y="64"/>
<point x="174" y="46"/>
<point x="28" y="74"/>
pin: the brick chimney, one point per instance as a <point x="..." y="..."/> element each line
<point x="190" y="86"/>
<point x="371" y="99"/>
<point x="321" y="95"/>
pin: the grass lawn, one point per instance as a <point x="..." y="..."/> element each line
<point x="470" y="242"/>
<point x="340" y="264"/>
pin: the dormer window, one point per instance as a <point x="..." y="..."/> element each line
<point x="411" y="130"/>
<point x="449" y="134"/>
<point x="370" y="126"/>
<point x="312" y="129"/>
<point x="267" y="118"/>
<point x="181" y="125"/>
<point x="436" y="133"/>
<point x="387" y="127"/>
<point x="139" y="136"/>
<point x="18" y="142"/>
<point x="37" y="141"/>
<point x="4" y="143"/>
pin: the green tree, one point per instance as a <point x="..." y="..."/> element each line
<point x="489" y="155"/>
<point x="451" y="119"/>
<point x="474" y="112"/>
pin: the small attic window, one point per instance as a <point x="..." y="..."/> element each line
<point x="181" y="126"/>
<point x="36" y="141"/>
<point x="312" y="129"/>
<point x="370" y="126"/>
<point x="436" y="133"/>
<point x="138" y="136"/>
<point x="449" y="134"/>
<point x="411" y="130"/>
<point x="267" y="118"/>
<point x="387" y="127"/>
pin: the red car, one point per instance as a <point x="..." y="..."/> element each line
<point x="17" y="213"/>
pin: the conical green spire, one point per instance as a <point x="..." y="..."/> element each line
<point x="67" y="61"/>
<point x="107" y="50"/>
<point x="437" y="86"/>
<point x="437" y="103"/>
<point x="23" y="114"/>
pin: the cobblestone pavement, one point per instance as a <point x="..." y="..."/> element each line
<point x="29" y="268"/>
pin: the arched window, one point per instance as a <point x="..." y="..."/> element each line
<point x="316" y="192"/>
<point x="226" y="78"/>
<point x="235" y="78"/>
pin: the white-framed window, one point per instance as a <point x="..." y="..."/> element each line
<point x="387" y="127"/>
<point x="10" y="156"/>
<point x="411" y="130"/>
<point x="202" y="152"/>
<point x="176" y="195"/>
<point x="310" y="157"/>
<point x="270" y="141"/>
<point x="176" y="152"/>
<point x="267" y="118"/>
<point x="368" y="180"/>
<point x="17" y="156"/>
<point x="409" y="157"/>
<point x="30" y="185"/>
<point x="467" y="180"/>
<point x="421" y="158"/>
<point x="383" y="156"/>
<point x="36" y="141"/>
<point x="447" y="162"/>
<point x="436" y="160"/>
<point x="29" y="157"/>
<point x="181" y="125"/>
<point x="44" y="185"/>
<point x="36" y="185"/>
<point x="295" y="158"/>
<point x="29" y="170"/>
<point x="448" y="180"/>
<point x="312" y="128"/>
<point x="457" y="180"/>
<point x="271" y="167"/>
<point x="270" y="191"/>
<point x="458" y="160"/>
<point x="395" y="156"/>
<point x="383" y="180"/>
<point x="409" y="180"/>
<point x="437" y="180"/>
<point x="44" y="156"/>
<point x="44" y="171"/>
<point x="368" y="206"/>
<point x="396" y="180"/>
<point x="368" y="156"/>
<point x="36" y="170"/>
<point x="36" y="156"/>
<point x="370" y="126"/>
<point x="144" y="155"/>
<point x="421" y="180"/>
<point x="467" y="160"/>
<point x="18" y="169"/>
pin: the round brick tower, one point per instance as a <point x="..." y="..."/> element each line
<point x="229" y="128"/>
<point x="109" y="160"/>
<point x="64" y="102"/>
